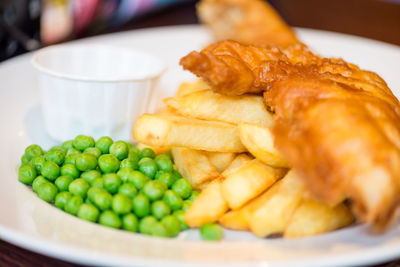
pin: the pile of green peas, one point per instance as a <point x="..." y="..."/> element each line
<point x="112" y="183"/>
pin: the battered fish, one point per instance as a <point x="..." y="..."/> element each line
<point x="338" y="125"/>
<point x="246" y="21"/>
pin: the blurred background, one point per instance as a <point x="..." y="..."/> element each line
<point x="26" y="25"/>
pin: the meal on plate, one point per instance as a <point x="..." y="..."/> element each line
<point x="272" y="138"/>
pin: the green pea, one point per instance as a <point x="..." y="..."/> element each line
<point x="110" y="219"/>
<point x="143" y="160"/>
<point x="70" y="159"/>
<point x="176" y="174"/>
<point x="56" y="156"/>
<point x="173" y="200"/>
<point x="183" y="188"/>
<point x="87" y="201"/>
<point x="180" y="215"/>
<point x="124" y="173"/>
<point x="211" y="232"/>
<point x="169" y="155"/>
<point x="128" y="190"/>
<point x="164" y="163"/>
<point x="26" y="173"/>
<point x="81" y="142"/>
<point x="92" y="192"/>
<point x="33" y="151"/>
<point x="38" y="163"/>
<point x="47" y="191"/>
<point x="194" y="195"/>
<point x="121" y="204"/>
<point x="167" y="177"/>
<point x="71" y="170"/>
<point x="102" y="200"/>
<point x="172" y="225"/>
<point x="72" y="151"/>
<point x="108" y="163"/>
<point x="68" y="144"/>
<point x="98" y="182"/>
<point x="88" y="212"/>
<point x="160" y="209"/>
<point x="138" y="179"/>
<point x="127" y="163"/>
<point x="73" y="204"/>
<point x="148" y="168"/>
<point x="104" y="144"/>
<point x="63" y="182"/>
<point x="155" y="189"/>
<point x="159" y="230"/>
<point x="162" y="157"/>
<point x="94" y="151"/>
<point x="130" y="146"/>
<point x="89" y="176"/>
<point x="86" y="162"/>
<point x="130" y="222"/>
<point x="61" y="199"/>
<point x="134" y="155"/>
<point x="111" y="182"/>
<point x="134" y="149"/>
<point x="146" y="225"/>
<point x="141" y="205"/>
<point x="25" y="159"/>
<point x="38" y="181"/>
<point x="59" y="148"/>
<point x="119" y="149"/>
<point x="50" y="170"/>
<point x="147" y="153"/>
<point x="187" y="204"/>
<point x="79" y="187"/>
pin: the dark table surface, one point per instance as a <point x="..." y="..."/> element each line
<point x="376" y="19"/>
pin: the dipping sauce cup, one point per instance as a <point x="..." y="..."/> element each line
<point x="95" y="90"/>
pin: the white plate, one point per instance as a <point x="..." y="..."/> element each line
<point x="29" y="222"/>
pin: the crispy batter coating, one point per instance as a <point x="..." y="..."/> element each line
<point x="233" y="69"/>
<point x="338" y="125"/>
<point x="248" y="22"/>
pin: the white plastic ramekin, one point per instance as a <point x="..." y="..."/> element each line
<point x="94" y="90"/>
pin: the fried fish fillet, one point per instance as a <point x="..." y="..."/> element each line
<point x="233" y="69"/>
<point x="245" y="21"/>
<point x="337" y="125"/>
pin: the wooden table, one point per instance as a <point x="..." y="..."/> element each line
<point x="369" y="18"/>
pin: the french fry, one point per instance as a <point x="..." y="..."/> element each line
<point x="194" y="165"/>
<point x="260" y="143"/>
<point x="212" y="106"/>
<point x="157" y="150"/>
<point x="272" y="211"/>
<point x="191" y="87"/>
<point x="312" y="218"/>
<point x="248" y="182"/>
<point x="177" y="131"/>
<point x="234" y="220"/>
<point x="238" y="219"/>
<point x="220" y="160"/>
<point x="208" y="207"/>
<point x="237" y="163"/>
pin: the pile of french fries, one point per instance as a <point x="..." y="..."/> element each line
<point x="223" y="146"/>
